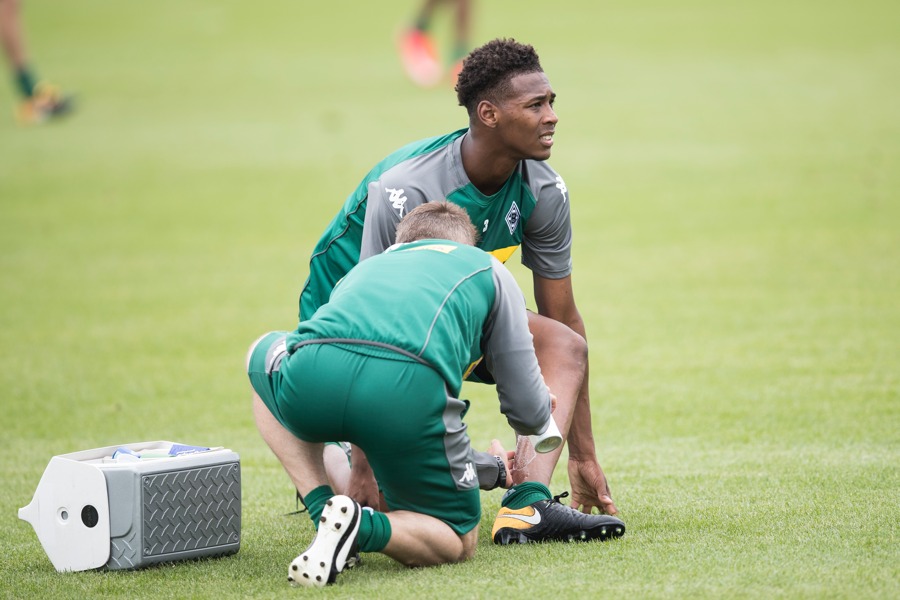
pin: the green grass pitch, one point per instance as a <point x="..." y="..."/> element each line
<point x="734" y="169"/>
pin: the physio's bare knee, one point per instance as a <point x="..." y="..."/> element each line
<point x="469" y="543"/>
<point x="251" y="349"/>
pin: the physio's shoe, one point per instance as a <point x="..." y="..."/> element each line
<point x="333" y="549"/>
<point x="550" y="520"/>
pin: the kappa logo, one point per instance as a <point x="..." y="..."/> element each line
<point x="397" y="200"/>
<point x="532" y="519"/>
<point x="512" y="218"/>
<point x="468" y="474"/>
<point x="561" y="185"/>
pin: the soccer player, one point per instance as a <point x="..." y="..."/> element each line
<point x="381" y="365"/>
<point x="40" y="100"/>
<point x="496" y="170"/>
<point x="420" y="58"/>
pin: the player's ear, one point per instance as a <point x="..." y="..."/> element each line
<point x="487" y="113"/>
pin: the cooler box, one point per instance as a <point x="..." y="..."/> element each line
<point x="134" y="505"/>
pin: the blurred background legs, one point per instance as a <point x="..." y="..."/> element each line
<point x="418" y="51"/>
<point x="40" y="100"/>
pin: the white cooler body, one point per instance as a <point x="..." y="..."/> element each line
<point x="91" y="511"/>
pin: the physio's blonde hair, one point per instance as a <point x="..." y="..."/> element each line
<point x="437" y="220"/>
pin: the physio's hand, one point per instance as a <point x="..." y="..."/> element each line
<point x="589" y="487"/>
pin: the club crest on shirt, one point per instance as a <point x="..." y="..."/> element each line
<point x="397" y="200"/>
<point x="512" y="218"/>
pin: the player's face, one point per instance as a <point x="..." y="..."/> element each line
<point x="528" y="120"/>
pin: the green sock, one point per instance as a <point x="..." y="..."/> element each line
<point x="374" y="527"/>
<point x="525" y="493"/>
<point x="25" y="81"/>
<point x="374" y="531"/>
<point x="315" y="502"/>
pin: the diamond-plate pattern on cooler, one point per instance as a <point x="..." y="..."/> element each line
<point x="191" y="509"/>
<point x="124" y="552"/>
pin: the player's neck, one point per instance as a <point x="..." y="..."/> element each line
<point x="487" y="168"/>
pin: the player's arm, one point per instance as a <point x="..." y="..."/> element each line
<point x="547" y="252"/>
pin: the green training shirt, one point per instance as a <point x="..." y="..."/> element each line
<point x="531" y="211"/>
<point x="444" y="304"/>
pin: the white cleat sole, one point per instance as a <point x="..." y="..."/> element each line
<point x="333" y="546"/>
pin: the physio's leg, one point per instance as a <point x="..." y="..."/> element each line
<point x="419" y="540"/>
<point x="301" y="460"/>
<point x="336" y="464"/>
<point x="416" y="542"/>
<point x="415" y="442"/>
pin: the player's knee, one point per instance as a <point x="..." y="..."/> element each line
<point x="572" y="345"/>
<point x="583" y="351"/>
<point x="556" y="340"/>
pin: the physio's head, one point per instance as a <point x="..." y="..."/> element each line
<point x="437" y="220"/>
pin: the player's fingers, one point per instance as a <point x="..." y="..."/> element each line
<point x="609" y="507"/>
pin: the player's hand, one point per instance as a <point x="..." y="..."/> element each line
<point x="362" y="486"/>
<point x="589" y="487"/>
<point x="506" y="456"/>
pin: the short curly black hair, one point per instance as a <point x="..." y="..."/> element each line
<point x="488" y="69"/>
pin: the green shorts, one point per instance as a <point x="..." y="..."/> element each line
<point x="397" y="410"/>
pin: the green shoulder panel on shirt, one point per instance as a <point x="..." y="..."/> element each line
<point x="338" y="249"/>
